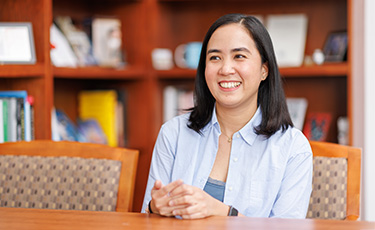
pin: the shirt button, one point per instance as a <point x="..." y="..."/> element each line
<point x="230" y="188"/>
<point x="238" y="135"/>
<point x="235" y="159"/>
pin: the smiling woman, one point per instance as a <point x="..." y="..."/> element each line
<point x="236" y="152"/>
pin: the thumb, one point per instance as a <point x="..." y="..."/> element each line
<point x="158" y="185"/>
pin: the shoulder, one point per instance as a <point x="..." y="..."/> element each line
<point x="175" y="126"/>
<point x="176" y="122"/>
<point x="293" y="141"/>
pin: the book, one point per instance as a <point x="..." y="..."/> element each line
<point x="78" y="40"/>
<point x="55" y="136"/>
<point x="101" y="106"/>
<point x="176" y="101"/>
<point x="5" y="119"/>
<point x="297" y="109"/>
<point x="107" y="41"/>
<point x="170" y="103"/>
<point x="317" y="126"/>
<point x="29" y="118"/>
<point x="66" y="129"/>
<point x="121" y="118"/>
<point x="20" y="121"/>
<point x="62" y="54"/>
<point x="11" y="120"/>
<point x="92" y="131"/>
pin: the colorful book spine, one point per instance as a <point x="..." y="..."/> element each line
<point x="100" y="105"/>
<point x="5" y="119"/>
<point x="1" y="122"/>
<point x="16" y="118"/>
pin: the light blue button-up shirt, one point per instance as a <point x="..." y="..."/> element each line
<point x="266" y="177"/>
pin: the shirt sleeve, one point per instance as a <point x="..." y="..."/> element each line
<point x="293" y="197"/>
<point x="161" y="163"/>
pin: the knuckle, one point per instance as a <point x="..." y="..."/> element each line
<point x="158" y="206"/>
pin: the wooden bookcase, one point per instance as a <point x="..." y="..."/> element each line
<point x="148" y="24"/>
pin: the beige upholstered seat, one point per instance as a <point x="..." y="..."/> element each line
<point x="67" y="175"/>
<point x="336" y="181"/>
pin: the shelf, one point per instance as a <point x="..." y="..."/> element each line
<point x="36" y="70"/>
<point x="176" y="73"/>
<point x="98" y="73"/>
<point x="325" y="70"/>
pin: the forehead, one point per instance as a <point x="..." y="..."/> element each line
<point x="233" y="34"/>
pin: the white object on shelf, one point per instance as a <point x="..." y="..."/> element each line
<point x="288" y="34"/>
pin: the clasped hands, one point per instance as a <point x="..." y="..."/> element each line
<point x="187" y="201"/>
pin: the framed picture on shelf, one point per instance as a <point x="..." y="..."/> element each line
<point x="317" y="126"/>
<point x="17" y="43"/>
<point x="335" y="47"/>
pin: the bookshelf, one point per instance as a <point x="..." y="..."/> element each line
<point x="149" y="24"/>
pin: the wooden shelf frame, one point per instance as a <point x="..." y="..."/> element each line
<point x="149" y="24"/>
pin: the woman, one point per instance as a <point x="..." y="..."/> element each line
<point x="236" y="152"/>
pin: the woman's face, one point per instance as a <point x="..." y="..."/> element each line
<point x="233" y="67"/>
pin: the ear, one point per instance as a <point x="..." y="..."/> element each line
<point x="264" y="71"/>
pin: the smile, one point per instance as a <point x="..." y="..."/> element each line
<point x="229" y="85"/>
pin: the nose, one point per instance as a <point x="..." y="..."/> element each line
<point x="227" y="68"/>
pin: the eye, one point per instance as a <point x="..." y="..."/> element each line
<point x="239" y="56"/>
<point x="213" y="58"/>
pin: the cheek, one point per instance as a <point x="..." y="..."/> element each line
<point x="210" y="76"/>
<point x="251" y="73"/>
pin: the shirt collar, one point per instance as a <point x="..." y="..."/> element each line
<point x="247" y="132"/>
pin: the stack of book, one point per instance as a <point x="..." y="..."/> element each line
<point x="93" y="42"/>
<point x="176" y="101"/>
<point x="16" y="116"/>
<point x="101" y="119"/>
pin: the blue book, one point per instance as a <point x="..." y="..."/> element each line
<point x="23" y="95"/>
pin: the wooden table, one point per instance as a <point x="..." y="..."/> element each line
<point x="41" y="219"/>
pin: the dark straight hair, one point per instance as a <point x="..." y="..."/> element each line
<point x="271" y="98"/>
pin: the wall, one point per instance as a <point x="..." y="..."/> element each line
<point x="363" y="83"/>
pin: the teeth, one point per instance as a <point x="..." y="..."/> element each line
<point x="229" y="85"/>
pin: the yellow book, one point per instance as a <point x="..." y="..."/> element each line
<point x="100" y="105"/>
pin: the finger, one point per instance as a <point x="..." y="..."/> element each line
<point x="181" y="200"/>
<point x="193" y="216"/>
<point x="184" y="189"/>
<point x="164" y="190"/>
<point x="169" y="187"/>
<point x="168" y="211"/>
<point x="190" y="212"/>
<point x="158" y="185"/>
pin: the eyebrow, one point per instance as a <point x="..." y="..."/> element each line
<point x="241" y="49"/>
<point x="233" y="50"/>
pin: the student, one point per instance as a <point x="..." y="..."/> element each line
<point x="236" y="152"/>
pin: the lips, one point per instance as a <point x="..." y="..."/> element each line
<point x="229" y="85"/>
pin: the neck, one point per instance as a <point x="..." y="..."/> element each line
<point x="232" y="120"/>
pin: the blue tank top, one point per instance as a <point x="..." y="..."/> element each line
<point x="215" y="188"/>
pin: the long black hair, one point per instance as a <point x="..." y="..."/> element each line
<point x="271" y="98"/>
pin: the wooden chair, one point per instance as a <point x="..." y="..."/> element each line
<point x="67" y="175"/>
<point x="336" y="181"/>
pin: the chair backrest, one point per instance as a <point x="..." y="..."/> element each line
<point x="336" y="181"/>
<point x="67" y="175"/>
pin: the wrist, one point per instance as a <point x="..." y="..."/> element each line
<point x="150" y="209"/>
<point x="232" y="211"/>
<point x="220" y="209"/>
